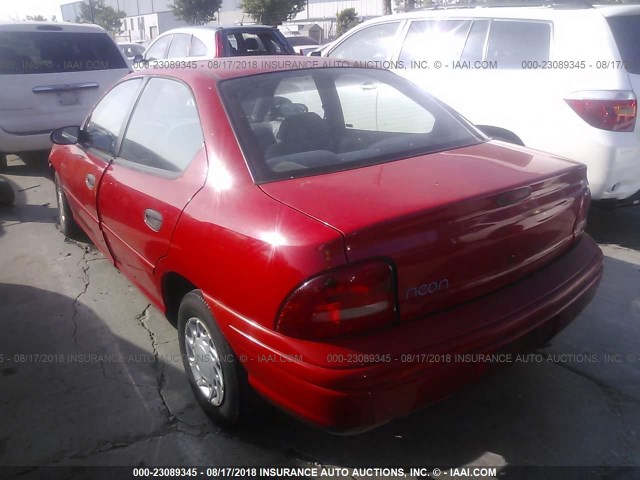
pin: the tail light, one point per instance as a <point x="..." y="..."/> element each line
<point x="583" y="212"/>
<point x="607" y="110"/>
<point x="219" y="45"/>
<point x="344" y="301"/>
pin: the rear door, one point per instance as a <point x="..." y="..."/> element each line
<point x="52" y="78"/>
<point x="161" y="165"/>
<point x="82" y="170"/>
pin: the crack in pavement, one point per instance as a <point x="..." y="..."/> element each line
<point x="159" y="366"/>
<point x="142" y="318"/>
<point x="76" y="302"/>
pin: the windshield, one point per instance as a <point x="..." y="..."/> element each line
<point x="306" y="122"/>
<point x="298" y="40"/>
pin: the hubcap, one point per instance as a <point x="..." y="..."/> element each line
<point x="60" y="205"/>
<point x="204" y="361"/>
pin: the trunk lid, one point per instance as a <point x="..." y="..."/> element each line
<point x="457" y="224"/>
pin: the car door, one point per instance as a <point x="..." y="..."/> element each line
<point x="161" y="165"/>
<point x="82" y="170"/>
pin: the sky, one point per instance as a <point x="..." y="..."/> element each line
<point x="19" y="9"/>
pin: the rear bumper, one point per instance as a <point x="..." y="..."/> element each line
<point x="355" y="384"/>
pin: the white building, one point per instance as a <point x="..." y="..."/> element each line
<point x="145" y="19"/>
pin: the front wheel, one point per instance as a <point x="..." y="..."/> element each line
<point x="214" y="373"/>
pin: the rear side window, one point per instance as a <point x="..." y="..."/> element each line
<point x="435" y="40"/>
<point x="369" y="44"/>
<point x="474" y="48"/>
<point x="167" y="134"/>
<point x="513" y="42"/>
<point x="626" y="31"/>
<point x="55" y="52"/>
<point x="198" y="49"/>
<point x="179" y="45"/>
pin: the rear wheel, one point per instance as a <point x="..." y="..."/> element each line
<point x="66" y="223"/>
<point x="214" y="373"/>
<point x="6" y="193"/>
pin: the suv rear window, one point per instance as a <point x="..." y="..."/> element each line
<point x="626" y="31"/>
<point x="54" y="52"/>
<point x="307" y="122"/>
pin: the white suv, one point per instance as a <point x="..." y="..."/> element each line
<point x="556" y="79"/>
<point x="51" y="75"/>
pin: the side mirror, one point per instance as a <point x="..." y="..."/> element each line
<point x="315" y="53"/>
<point x="65" y="135"/>
<point x="138" y="58"/>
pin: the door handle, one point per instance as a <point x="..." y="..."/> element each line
<point x="90" y="181"/>
<point x="153" y="219"/>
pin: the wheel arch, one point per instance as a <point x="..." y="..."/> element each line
<point x="174" y="288"/>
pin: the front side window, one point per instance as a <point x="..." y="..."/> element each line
<point x="432" y="40"/>
<point x="512" y="42"/>
<point x="353" y="118"/>
<point x="107" y="119"/>
<point x="57" y="52"/>
<point x="369" y="44"/>
<point x="163" y="134"/>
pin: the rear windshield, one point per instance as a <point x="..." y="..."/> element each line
<point x="263" y="42"/>
<point x="306" y="122"/>
<point x="298" y="40"/>
<point x="626" y="31"/>
<point x="54" y="52"/>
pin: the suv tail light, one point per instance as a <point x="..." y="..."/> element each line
<point x="583" y="211"/>
<point x="219" y="45"/>
<point x="606" y="109"/>
<point x="344" y="301"/>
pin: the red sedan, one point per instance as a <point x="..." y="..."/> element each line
<point x="330" y="236"/>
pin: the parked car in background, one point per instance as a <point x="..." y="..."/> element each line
<point x="323" y="235"/>
<point x="197" y="43"/>
<point x="302" y="44"/>
<point x="130" y="50"/>
<point x="562" y="80"/>
<point x="51" y="74"/>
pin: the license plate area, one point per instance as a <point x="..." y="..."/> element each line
<point x="68" y="98"/>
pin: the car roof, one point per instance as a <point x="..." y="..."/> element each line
<point x="50" y="27"/>
<point x="214" y="28"/>
<point x="236" y="67"/>
<point x="537" y="12"/>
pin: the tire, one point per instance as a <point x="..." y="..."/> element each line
<point x="66" y="223"/>
<point x="215" y="375"/>
<point x="7" y="196"/>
